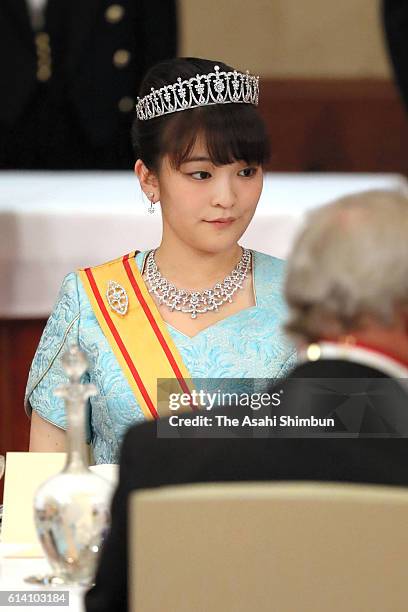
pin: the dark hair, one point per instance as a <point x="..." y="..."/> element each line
<point x="231" y="131"/>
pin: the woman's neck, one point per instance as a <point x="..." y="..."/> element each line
<point x="190" y="269"/>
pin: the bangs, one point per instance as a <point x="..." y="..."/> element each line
<point x="231" y="132"/>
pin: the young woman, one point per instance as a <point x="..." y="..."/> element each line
<point x="199" y="305"/>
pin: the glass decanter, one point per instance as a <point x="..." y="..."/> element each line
<point x="71" y="509"/>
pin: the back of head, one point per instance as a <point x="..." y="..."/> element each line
<point x="350" y="260"/>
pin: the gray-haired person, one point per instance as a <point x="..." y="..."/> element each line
<point x="347" y="284"/>
<point x="347" y="293"/>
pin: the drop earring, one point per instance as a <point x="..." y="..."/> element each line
<point x="150" y="195"/>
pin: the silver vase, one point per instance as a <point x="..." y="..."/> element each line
<point x="71" y="509"/>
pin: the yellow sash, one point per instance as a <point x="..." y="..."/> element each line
<point x="139" y="338"/>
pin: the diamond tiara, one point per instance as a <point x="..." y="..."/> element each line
<point x="218" y="87"/>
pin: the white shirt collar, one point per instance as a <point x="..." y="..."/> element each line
<point x="356" y="354"/>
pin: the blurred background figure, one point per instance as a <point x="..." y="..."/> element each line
<point x="70" y="72"/>
<point x="395" y="13"/>
<point x="347" y="290"/>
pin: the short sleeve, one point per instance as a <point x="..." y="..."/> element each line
<point x="47" y="373"/>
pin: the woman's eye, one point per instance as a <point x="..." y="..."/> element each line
<point x="247" y="172"/>
<point x="201" y="175"/>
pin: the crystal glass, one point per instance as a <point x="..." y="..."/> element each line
<point x="71" y="509"/>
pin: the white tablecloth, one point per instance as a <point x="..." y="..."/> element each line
<point x="12" y="574"/>
<point x="54" y="222"/>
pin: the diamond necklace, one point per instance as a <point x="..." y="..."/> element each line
<point x="196" y="302"/>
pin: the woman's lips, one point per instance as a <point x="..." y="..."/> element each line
<point x="222" y="222"/>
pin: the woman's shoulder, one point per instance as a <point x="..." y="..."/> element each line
<point x="268" y="267"/>
<point x="269" y="274"/>
<point x="66" y="305"/>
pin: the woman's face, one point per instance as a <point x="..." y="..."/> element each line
<point x="206" y="206"/>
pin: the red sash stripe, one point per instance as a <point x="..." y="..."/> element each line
<point x="154" y="325"/>
<point x="120" y="344"/>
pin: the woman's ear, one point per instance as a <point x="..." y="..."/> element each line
<point x="148" y="181"/>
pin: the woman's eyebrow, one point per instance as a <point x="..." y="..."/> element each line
<point x="197" y="159"/>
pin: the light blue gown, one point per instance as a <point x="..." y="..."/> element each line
<point x="248" y="344"/>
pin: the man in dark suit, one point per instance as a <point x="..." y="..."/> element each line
<point x="347" y="291"/>
<point x="395" y="16"/>
<point x="70" y="73"/>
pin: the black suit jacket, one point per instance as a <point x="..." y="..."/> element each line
<point x="148" y="461"/>
<point x="84" y="79"/>
<point x="395" y="16"/>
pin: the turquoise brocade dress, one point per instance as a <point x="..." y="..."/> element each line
<point x="248" y="344"/>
